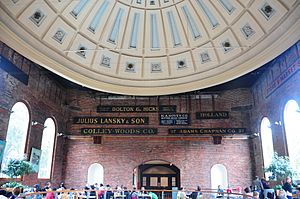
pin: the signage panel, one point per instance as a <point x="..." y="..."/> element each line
<point x="129" y="109"/>
<point x="174" y="119"/>
<point x="212" y="131"/>
<point x="212" y="115"/>
<point x="111" y="120"/>
<point x="118" y="131"/>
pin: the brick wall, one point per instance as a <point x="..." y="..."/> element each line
<point x="119" y="156"/>
<point x="44" y="98"/>
<point x="271" y="104"/>
<point x="193" y="156"/>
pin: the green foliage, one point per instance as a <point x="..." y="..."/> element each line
<point x="17" y="168"/>
<point x="12" y="185"/>
<point x="277" y="187"/>
<point x="280" y="168"/>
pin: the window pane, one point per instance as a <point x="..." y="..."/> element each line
<point x="95" y="174"/>
<point x="47" y="149"/>
<point x="153" y="181"/>
<point x="219" y="176"/>
<point x="144" y="181"/>
<point x="16" y="134"/>
<point x="266" y="142"/>
<point x="292" y="129"/>
<point x="173" y="182"/>
<point x="164" y="181"/>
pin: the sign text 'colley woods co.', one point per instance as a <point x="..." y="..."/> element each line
<point x="115" y="131"/>
<point x="128" y="109"/>
<point x="111" y="120"/>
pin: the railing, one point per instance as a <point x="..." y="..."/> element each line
<point x="161" y="194"/>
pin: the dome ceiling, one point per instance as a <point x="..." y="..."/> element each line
<point x="150" y="47"/>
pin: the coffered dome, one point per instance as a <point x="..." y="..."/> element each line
<point x="150" y="47"/>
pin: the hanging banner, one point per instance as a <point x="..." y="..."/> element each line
<point x="128" y="109"/>
<point x="212" y="115"/>
<point x="212" y="131"/>
<point x="118" y="131"/>
<point x="111" y="120"/>
<point x="174" y="119"/>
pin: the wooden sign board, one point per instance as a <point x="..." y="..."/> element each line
<point x="212" y="115"/>
<point x="211" y="131"/>
<point x="111" y="120"/>
<point x="118" y="131"/>
<point x="174" y="119"/>
<point x="130" y="109"/>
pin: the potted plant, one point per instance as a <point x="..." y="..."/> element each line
<point x="280" y="168"/>
<point x="16" y="168"/>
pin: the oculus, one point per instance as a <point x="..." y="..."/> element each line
<point x="181" y="64"/>
<point x="226" y="46"/>
<point x="37" y="17"/>
<point x="247" y="31"/>
<point x="204" y="57"/>
<point x="130" y="67"/>
<point x="156" y="68"/>
<point x="152" y="2"/>
<point x="59" y="36"/>
<point x="81" y="51"/>
<point x="105" y="61"/>
<point x="267" y="10"/>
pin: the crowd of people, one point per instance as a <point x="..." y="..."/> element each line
<point x="259" y="189"/>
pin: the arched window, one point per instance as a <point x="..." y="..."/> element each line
<point x="16" y="134"/>
<point x="219" y="176"/>
<point x="292" y="132"/>
<point x="95" y="174"/>
<point x="266" y="142"/>
<point x="47" y="149"/>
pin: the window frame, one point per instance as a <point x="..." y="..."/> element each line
<point x="286" y="147"/>
<point x="25" y="151"/>
<point x="53" y="149"/>
<point x="261" y="142"/>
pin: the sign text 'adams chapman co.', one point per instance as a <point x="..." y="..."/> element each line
<point x="111" y="120"/>
<point x="212" y="115"/>
<point x="174" y="119"/>
<point x="197" y="131"/>
<point x="118" y="131"/>
<point x="128" y="109"/>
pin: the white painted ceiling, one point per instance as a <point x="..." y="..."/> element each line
<point x="150" y="47"/>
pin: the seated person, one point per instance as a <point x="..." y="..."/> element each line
<point x="181" y="194"/>
<point x="256" y="195"/>
<point x="220" y="191"/>
<point x="281" y="195"/>
<point x="152" y="195"/>
<point x="248" y="193"/>
<point x="133" y="194"/>
<point x="197" y="194"/>
<point x="93" y="192"/>
<point x="265" y="184"/>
